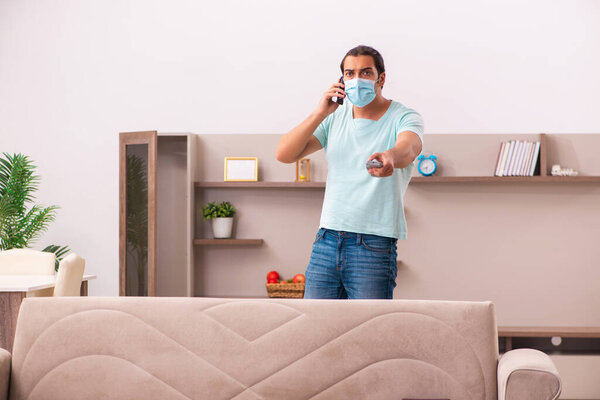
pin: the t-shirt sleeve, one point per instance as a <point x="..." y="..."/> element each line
<point x="322" y="131"/>
<point x="411" y="121"/>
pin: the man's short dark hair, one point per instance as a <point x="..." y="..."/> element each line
<point x="365" y="51"/>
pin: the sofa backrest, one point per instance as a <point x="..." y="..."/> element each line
<point x="283" y="349"/>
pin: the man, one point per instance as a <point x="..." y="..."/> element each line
<point x="354" y="253"/>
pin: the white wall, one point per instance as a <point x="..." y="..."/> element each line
<point x="75" y="73"/>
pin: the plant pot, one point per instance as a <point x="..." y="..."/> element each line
<point x="222" y="227"/>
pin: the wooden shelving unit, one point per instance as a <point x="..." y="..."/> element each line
<point x="228" y="242"/>
<point x="541" y="170"/>
<point x="543" y="177"/>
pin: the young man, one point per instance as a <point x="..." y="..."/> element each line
<point x="354" y="253"/>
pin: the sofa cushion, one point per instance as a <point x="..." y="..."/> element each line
<point x="206" y="348"/>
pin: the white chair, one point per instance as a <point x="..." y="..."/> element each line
<point x="26" y="262"/>
<point x="69" y="276"/>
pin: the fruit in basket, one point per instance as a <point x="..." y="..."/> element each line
<point x="273" y="275"/>
<point x="283" y="282"/>
<point x="272" y="281"/>
<point x="299" y="278"/>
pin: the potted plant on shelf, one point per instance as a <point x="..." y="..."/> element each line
<point x="222" y="218"/>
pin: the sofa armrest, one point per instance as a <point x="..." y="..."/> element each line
<point x="527" y="374"/>
<point x="4" y="373"/>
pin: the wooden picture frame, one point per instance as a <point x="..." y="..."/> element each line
<point x="241" y="169"/>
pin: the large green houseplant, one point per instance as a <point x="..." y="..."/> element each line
<point x="21" y="221"/>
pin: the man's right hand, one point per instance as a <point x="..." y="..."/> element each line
<point x="326" y="104"/>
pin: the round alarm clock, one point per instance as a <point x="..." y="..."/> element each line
<point x="427" y="165"/>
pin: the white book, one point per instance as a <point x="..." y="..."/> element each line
<point x="521" y="170"/>
<point x="525" y="150"/>
<point x="536" y="154"/>
<point x="504" y="158"/>
<point x="511" y="151"/>
<point x="514" y="158"/>
<point x="523" y="159"/>
<point x="517" y="158"/>
<point x="504" y="151"/>
<point x="499" y="162"/>
<point x="530" y="146"/>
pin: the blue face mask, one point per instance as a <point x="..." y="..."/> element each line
<point x="360" y="92"/>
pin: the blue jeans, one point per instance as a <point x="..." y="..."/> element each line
<point x="348" y="265"/>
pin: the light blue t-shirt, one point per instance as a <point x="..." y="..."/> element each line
<point x="354" y="200"/>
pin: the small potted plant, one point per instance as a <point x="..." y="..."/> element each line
<point x="222" y="218"/>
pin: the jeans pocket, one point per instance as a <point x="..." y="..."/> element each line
<point x="377" y="243"/>
<point x="319" y="235"/>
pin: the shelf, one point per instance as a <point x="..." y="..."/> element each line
<point x="545" y="331"/>
<point x="288" y="185"/>
<point x="232" y="297"/>
<point x="504" y="179"/>
<point x="228" y="242"/>
<point x="415" y="179"/>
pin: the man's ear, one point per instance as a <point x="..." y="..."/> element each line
<point x="381" y="79"/>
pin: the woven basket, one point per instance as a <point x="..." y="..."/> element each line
<point x="285" y="290"/>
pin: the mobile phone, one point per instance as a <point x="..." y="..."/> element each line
<point x="340" y="100"/>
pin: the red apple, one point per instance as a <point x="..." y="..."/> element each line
<point x="273" y="275"/>
<point x="272" y="281"/>
<point x="299" y="278"/>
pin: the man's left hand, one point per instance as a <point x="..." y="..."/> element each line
<point x="387" y="160"/>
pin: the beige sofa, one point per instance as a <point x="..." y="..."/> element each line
<point x="250" y="349"/>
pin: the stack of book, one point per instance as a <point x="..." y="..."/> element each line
<point x="517" y="158"/>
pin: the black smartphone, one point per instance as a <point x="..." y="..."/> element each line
<point x="340" y="100"/>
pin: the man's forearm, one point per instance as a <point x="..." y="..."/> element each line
<point x="292" y="143"/>
<point x="402" y="154"/>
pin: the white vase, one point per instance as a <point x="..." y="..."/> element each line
<point x="222" y="227"/>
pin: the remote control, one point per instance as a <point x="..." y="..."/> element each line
<point x="374" y="164"/>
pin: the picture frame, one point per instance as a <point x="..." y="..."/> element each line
<point x="241" y="169"/>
